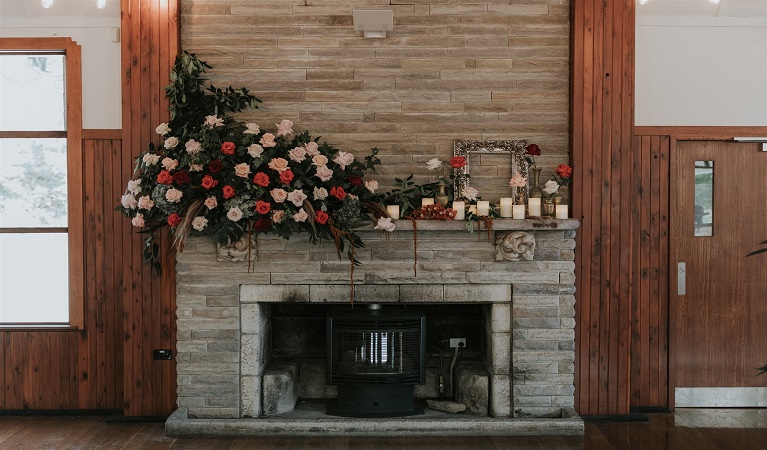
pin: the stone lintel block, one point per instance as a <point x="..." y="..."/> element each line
<point x="269" y="293"/>
<point x="500" y="317"/>
<point x="250" y="393"/>
<point x="422" y="293"/>
<point x="210" y="289"/>
<point x="498" y="293"/>
<point x="406" y="277"/>
<point x="473" y="387"/>
<point x="500" y="395"/>
<point x="365" y="293"/>
<point x="214" y="413"/>
<point x="503" y="268"/>
<point x="310" y="278"/>
<point x="429" y="266"/>
<point x="254" y="317"/>
<point x="280" y="388"/>
<point x="535" y="356"/>
<point x="535" y="300"/>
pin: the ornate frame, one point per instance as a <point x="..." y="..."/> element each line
<point x="515" y="148"/>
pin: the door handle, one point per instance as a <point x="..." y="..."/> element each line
<point x="681" y="278"/>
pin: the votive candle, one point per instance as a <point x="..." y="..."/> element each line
<point x="483" y="208"/>
<point x="427" y="201"/>
<point x="460" y="210"/>
<point x="518" y="212"/>
<point x="506" y="204"/>
<point x="534" y="207"/>
<point x="562" y="212"/>
<point x="393" y="211"/>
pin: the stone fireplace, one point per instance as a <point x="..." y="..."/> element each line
<point x="519" y="280"/>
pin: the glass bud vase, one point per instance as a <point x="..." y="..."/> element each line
<point x="535" y="188"/>
<point x="441" y="196"/>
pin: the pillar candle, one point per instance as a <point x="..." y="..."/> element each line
<point x="518" y="212"/>
<point x="393" y="211"/>
<point x="483" y="208"/>
<point x="534" y="207"/>
<point x="427" y="201"/>
<point x="473" y="209"/>
<point x="506" y="204"/>
<point x="562" y="212"/>
<point x="460" y="210"/>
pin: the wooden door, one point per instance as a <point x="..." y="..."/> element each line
<point x="718" y="325"/>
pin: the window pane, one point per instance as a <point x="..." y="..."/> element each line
<point x="34" y="278"/>
<point x="33" y="182"/>
<point x="32" y="89"/>
<point x="704" y="198"/>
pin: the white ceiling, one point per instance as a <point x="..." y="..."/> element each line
<point x="703" y="8"/>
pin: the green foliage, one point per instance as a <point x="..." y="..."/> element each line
<point x="408" y="194"/>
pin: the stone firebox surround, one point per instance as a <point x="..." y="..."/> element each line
<point x="523" y="272"/>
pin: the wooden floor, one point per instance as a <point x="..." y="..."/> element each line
<point x="689" y="430"/>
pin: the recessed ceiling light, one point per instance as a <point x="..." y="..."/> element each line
<point x="100" y="4"/>
<point x="642" y="2"/>
<point x="46" y="3"/>
<point x="716" y="2"/>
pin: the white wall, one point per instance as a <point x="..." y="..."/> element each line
<point x="704" y="72"/>
<point x="100" y="57"/>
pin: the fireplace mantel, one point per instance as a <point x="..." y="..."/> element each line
<point x="522" y="272"/>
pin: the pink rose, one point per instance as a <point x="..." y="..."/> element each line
<point x="199" y="223"/>
<point x="173" y="195"/>
<point x="300" y="216"/>
<point x="138" y="221"/>
<point x="267" y="140"/>
<point x="298" y="154"/>
<point x="324" y="173"/>
<point x="251" y="128"/>
<point x="278" y="164"/>
<point x="297" y="197"/>
<point x="193" y="147"/>
<point x="284" y="128"/>
<point x="320" y="193"/>
<point x="145" y="203"/>
<point x="343" y="159"/>
<point x="518" y="181"/>
<point x="255" y="150"/>
<point x="169" y="163"/>
<point x="242" y="170"/>
<point x="277" y="215"/>
<point x="279" y="195"/>
<point x="319" y="160"/>
<point x="312" y="149"/>
<point x="371" y="185"/>
<point x="213" y="121"/>
<point x="171" y="142"/>
<point x="211" y="202"/>
<point x="234" y="214"/>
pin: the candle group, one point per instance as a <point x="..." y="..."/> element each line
<point x="561" y="212"/>
<point x="483" y="208"/>
<point x="534" y="207"/>
<point x="518" y="212"/>
<point x="506" y="204"/>
<point x="393" y="211"/>
<point x="460" y="210"/>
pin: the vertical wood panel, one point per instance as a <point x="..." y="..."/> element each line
<point x="602" y="126"/>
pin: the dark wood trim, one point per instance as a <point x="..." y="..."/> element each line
<point x="11" y="327"/>
<point x="33" y="134"/>
<point x="19" y="230"/>
<point x="102" y="134"/>
<point x="702" y="133"/>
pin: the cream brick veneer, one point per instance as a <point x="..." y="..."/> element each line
<point x="224" y="310"/>
<point x="486" y="70"/>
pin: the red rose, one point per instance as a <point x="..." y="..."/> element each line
<point x="533" y="150"/>
<point x="338" y="192"/>
<point x="214" y="166"/>
<point x="181" y="177"/>
<point x="228" y="191"/>
<point x="208" y="182"/>
<point x="355" y="180"/>
<point x="164" y="177"/>
<point x="261" y="179"/>
<point x="174" y="219"/>
<point x="321" y="217"/>
<point x="262" y="224"/>
<point x="227" y="148"/>
<point x="263" y="207"/>
<point x="286" y="176"/>
<point x="456" y="162"/>
<point x="564" y="171"/>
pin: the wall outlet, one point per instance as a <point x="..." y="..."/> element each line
<point x="457" y="342"/>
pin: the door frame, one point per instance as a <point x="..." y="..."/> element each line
<point x="676" y="134"/>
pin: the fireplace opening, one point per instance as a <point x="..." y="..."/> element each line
<point x="375" y="357"/>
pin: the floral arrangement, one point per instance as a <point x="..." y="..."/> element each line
<point x="531" y="151"/>
<point x="563" y="174"/>
<point x="433" y="212"/>
<point x="214" y="175"/>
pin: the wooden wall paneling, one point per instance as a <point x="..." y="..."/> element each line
<point x="602" y="126"/>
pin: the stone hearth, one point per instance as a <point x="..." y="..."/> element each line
<point x="522" y="275"/>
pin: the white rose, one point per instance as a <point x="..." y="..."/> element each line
<point x="162" y="129"/>
<point x="343" y="159"/>
<point x="385" y="224"/>
<point x="252" y="128"/>
<point x="433" y="164"/>
<point x="320" y="193"/>
<point x="550" y="187"/>
<point x="169" y="163"/>
<point x="324" y="173"/>
<point x="234" y="214"/>
<point x="279" y="195"/>
<point x="300" y="216"/>
<point x="193" y="147"/>
<point x="199" y="223"/>
<point x="145" y="203"/>
<point x="284" y="128"/>
<point x="171" y="142"/>
<point x="278" y="164"/>
<point x="518" y="181"/>
<point x="298" y="154"/>
<point x="213" y="121"/>
<point x="371" y="185"/>
<point x="134" y="186"/>
<point x="312" y="149"/>
<point x="150" y="159"/>
<point x="138" y="221"/>
<point x="277" y="215"/>
<point x="211" y="202"/>
<point x="195" y="167"/>
<point x="128" y="201"/>
<point x="319" y="160"/>
<point x="470" y="193"/>
<point x="297" y="197"/>
<point x="173" y="195"/>
<point x="255" y="150"/>
<point x="242" y="170"/>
